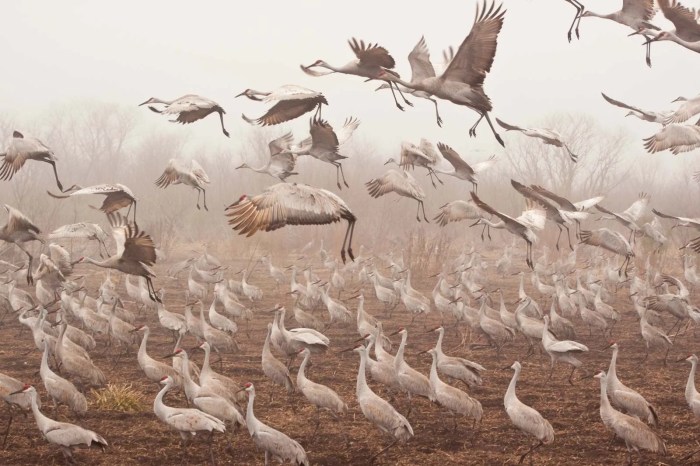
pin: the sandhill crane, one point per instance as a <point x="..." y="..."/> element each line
<point x="680" y="221"/>
<point x="634" y="432"/>
<point x="252" y="292"/>
<point x="76" y="361"/>
<point x="21" y="148"/>
<point x="462" y="81"/>
<point x="692" y="397"/>
<point x="653" y="117"/>
<point x="187" y="421"/>
<point x="277" y="446"/>
<point x="653" y="336"/>
<point x="318" y="395"/>
<point x="423" y="155"/>
<point x="674" y="137"/>
<point x="611" y="241"/>
<point x="571" y="210"/>
<point x="298" y="338"/>
<point x="91" y="231"/>
<point x="117" y="196"/>
<point x="194" y="176"/>
<point x="525" y="418"/>
<point x="456" y="211"/>
<point x="635" y="15"/>
<point x="522" y="226"/>
<point x="463" y="170"/>
<point x="273" y="368"/>
<point x="282" y="159"/>
<point x="65" y="435"/>
<point x="217" y="339"/>
<point x="401" y="183"/>
<point x="547" y="136"/>
<point x="220" y="321"/>
<point x="292" y="102"/>
<point x="60" y="389"/>
<point x="561" y="350"/>
<point x="11" y="394"/>
<point x="450" y="397"/>
<point x="188" y="108"/>
<point x="154" y="370"/>
<point x="373" y="62"/>
<point x="461" y="369"/>
<point x="377" y="410"/>
<point x="276" y="273"/>
<point x="136" y="252"/>
<point x="421" y="68"/>
<point x="411" y="381"/>
<point x="19" y="230"/>
<point x="625" y="398"/>
<point x="496" y="331"/>
<point x="220" y="384"/>
<point x="291" y="204"/>
<point x="562" y="326"/>
<point x="685" y="20"/>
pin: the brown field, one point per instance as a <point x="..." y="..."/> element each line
<point x="580" y="437"/>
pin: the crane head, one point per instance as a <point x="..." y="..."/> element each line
<point x="177" y="352"/>
<point x="25" y="388"/>
<point x="400" y="330"/>
<point x="243" y="165"/>
<point x="152" y="100"/>
<point x="599" y="375"/>
<point x="166" y="380"/>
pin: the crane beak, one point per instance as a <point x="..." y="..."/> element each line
<point x="144" y="103"/>
<point x="346" y="350"/>
<point x="361" y="339"/>
<point x="17" y="392"/>
<point x="171" y="355"/>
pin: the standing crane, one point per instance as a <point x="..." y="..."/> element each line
<point x="377" y="410"/>
<point x="136" y="253"/>
<point x="195" y="176"/>
<point x="60" y="389"/>
<point x="318" y="395"/>
<point x="282" y="159"/>
<point x="154" y="370"/>
<point x="548" y="136"/>
<point x="273" y="368"/>
<point x="685" y="20"/>
<point x="19" y="230"/>
<point x="65" y="435"/>
<point x="21" y="148"/>
<point x="401" y="183"/>
<point x="291" y="204"/>
<point x="117" y="196"/>
<point x="411" y="381"/>
<point x="561" y="350"/>
<point x="373" y="62"/>
<point x="187" y="421"/>
<point x="635" y="14"/>
<point x="625" y="398"/>
<point x="292" y="102"/>
<point x="462" y="82"/>
<point x="525" y="418"/>
<point x="452" y="398"/>
<point x="634" y="432"/>
<point x="277" y="446"/>
<point x="522" y="226"/>
<point x="11" y="394"/>
<point x="188" y="108"/>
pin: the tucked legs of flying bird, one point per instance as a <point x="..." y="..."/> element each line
<point x="577" y="19"/>
<point x="472" y="130"/>
<point x="349" y="231"/>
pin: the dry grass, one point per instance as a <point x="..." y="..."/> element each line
<point x="121" y="397"/>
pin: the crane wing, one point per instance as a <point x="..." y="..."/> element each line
<point x="454" y="159"/>
<point x="349" y="127"/>
<point x="323" y="136"/>
<point x="488" y="209"/>
<point x="485" y="165"/>
<point x="693" y="221"/>
<point x="285" y="161"/>
<point x="286" y="204"/>
<point x="281" y="144"/>
<point x="410" y="153"/>
<point x="617" y="103"/>
<point x="533" y="217"/>
<point x="286" y="110"/>
<point x="428" y="148"/>
<point x="419" y="59"/>
<point x="199" y="172"/>
<point x="169" y="176"/>
<point x="563" y="202"/>
<point x="508" y="126"/>
<point x="638" y="208"/>
<point x="475" y="56"/>
<point x="457" y="211"/>
<point x="76" y="230"/>
<point x="643" y="9"/>
<point x="606" y="239"/>
<point x="371" y="54"/>
<point x="291" y="92"/>
<point x="684" y="19"/>
<point x="393" y="181"/>
<point x="529" y="193"/>
<point x="566" y="346"/>
<point x="677" y="138"/>
<point x="132" y="243"/>
<point x="61" y="259"/>
<point x="17" y="221"/>
<point x="588" y="203"/>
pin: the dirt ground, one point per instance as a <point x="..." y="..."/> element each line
<point x="580" y="437"/>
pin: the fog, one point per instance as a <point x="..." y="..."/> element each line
<point x="76" y="71"/>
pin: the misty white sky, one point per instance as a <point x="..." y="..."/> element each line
<point x="58" y="52"/>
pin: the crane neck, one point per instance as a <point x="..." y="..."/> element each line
<point x="604" y="402"/>
<point x="301" y="375"/>
<point x="144" y="341"/>
<point x="690" y="391"/>
<point x="434" y="379"/>
<point x="612" y="372"/>
<point x="158" y="405"/>
<point x="398" y="359"/>
<point x="205" y="364"/>
<point x="438" y="345"/>
<point x="250" y="418"/>
<point x="361" y="376"/>
<point x="266" y="345"/>
<point x="39" y="417"/>
<point x="510" y="393"/>
<point x="102" y="263"/>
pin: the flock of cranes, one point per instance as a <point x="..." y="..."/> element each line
<point x="68" y="321"/>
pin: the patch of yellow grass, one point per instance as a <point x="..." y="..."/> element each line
<point x="118" y="397"/>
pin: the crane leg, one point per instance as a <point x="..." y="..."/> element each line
<point x="435" y="175"/>
<point x="403" y="96"/>
<point x="211" y="448"/>
<point x="204" y="195"/>
<point x="571" y="376"/>
<point x="374" y="457"/>
<point x="199" y="193"/>
<point x="558" y="237"/>
<point x="221" y="117"/>
<point x="579" y="11"/>
<point x="472" y="130"/>
<point x="568" y="236"/>
<point x="343" y="174"/>
<point x="7" y="429"/>
<point x="391" y="87"/>
<point x="493" y="129"/>
<point x="418" y="212"/>
<point x="30" y="279"/>
<point x="55" y="173"/>
<point x="648" y="55"/>
<point x="337" y="174"/>
<point x="424" y="217"/>
<point x="437" y="112"/>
